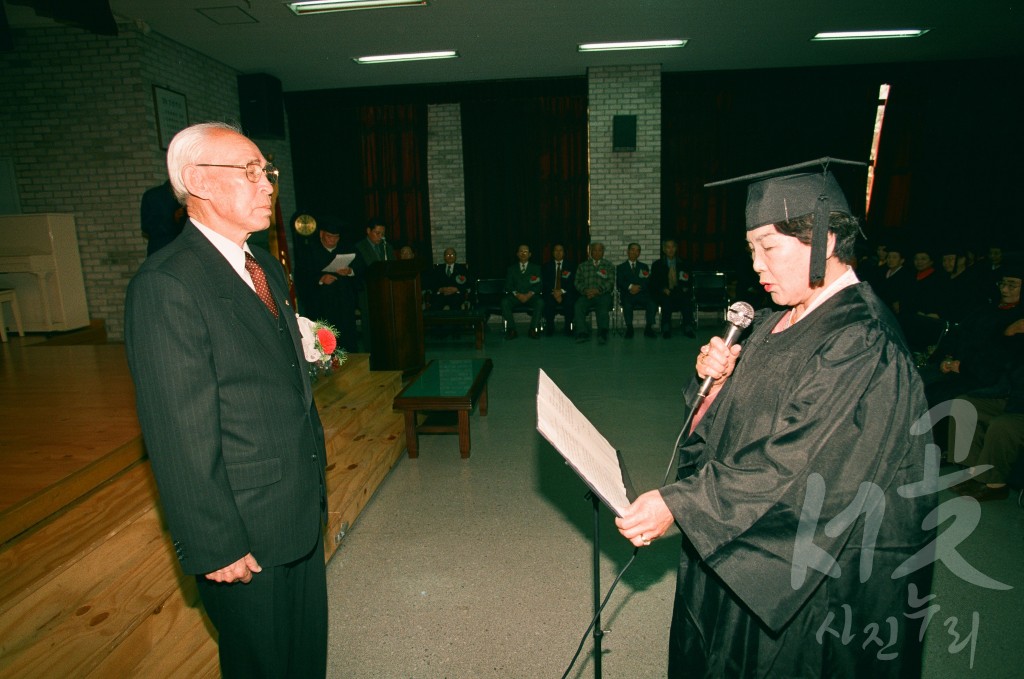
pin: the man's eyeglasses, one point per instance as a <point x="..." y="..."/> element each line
<point x="1009" y="285"/>
<point x="253" y="171"/>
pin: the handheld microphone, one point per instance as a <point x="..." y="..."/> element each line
<point x="738" y="319"/>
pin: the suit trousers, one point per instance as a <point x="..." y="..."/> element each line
<point x="641" y="300"/>
<point x="275" y="626"/>
<point x="601" y="305"/>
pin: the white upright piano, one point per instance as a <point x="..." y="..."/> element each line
<point x="39" y="259"/>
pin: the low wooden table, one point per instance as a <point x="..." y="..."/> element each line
<point x="444" y="387"/>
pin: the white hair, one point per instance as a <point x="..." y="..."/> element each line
<point x="185" y="148"/>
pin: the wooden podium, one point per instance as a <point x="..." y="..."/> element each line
<point x="396" y="316"/>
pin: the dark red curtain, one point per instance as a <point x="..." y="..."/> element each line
<point x="726" y="124"/>
<point x="393" y="140"/>
<point x="949" y="168"/>
<point x="526" y="178"/>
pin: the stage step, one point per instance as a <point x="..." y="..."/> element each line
<point x="95" y="589"/>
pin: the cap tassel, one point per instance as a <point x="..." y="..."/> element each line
<point x="819" y="240"/>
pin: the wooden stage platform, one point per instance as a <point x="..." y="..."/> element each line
<point x="89" y="584"/>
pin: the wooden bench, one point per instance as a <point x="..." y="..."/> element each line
<point x="458" y="319"/>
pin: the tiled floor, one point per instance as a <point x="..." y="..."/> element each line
<point x="482" y="567"/>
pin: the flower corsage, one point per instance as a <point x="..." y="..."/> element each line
<point x="320" y="344"/>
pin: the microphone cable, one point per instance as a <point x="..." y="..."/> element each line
<point x="593" y="621"/>
<point x="739" y="316"/>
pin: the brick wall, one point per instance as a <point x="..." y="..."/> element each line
<point x="77" y="117"/>
<point x="78" y="121"/>
<point x="445" y="178"/>
<point x="625" y="186"/>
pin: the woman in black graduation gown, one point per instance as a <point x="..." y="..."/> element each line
<point x="795" y="540"/>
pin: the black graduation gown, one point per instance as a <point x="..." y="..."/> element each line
<point x="827" y="403"/>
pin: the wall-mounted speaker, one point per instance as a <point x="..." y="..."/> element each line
<point x="623" y="133"/>
<point x="261" y="106"/>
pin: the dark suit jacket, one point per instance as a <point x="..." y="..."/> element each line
<point x="659" y="280"/>
<point x="226" y="408"/>
<point x="516" y="281"/>
<point x="439" y="278"/>
<point x="568" y="282"/>
<point x="625" y="276"/>
<point x="367" y="255"/>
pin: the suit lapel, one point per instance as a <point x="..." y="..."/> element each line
<point x="276" y="283"/>
<point x="241" y="302"/>
<point x="280" y="294"/>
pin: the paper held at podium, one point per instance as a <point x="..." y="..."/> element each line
<point x="339" y="262"/>
<point x="584" y="448"/>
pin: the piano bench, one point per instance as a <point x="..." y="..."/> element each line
<point x="7" y="296"/>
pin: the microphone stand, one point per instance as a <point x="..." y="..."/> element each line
<point x="598" y="632"/>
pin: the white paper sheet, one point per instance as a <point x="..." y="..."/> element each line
<point x="339" y="262"/>
<point x="581" y="444"/>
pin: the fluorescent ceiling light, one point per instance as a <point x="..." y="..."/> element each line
<point x="317" y="6"/>
<point x="413" y="56"/>
<point x="634" y="45"/>
<point x="871" y="35"/>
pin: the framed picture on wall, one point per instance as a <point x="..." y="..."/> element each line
<point x="171" y="114"/>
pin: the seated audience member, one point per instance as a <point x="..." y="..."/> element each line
<point x="999" y="436"/>
<point x="672" y="289"/>
<point x="925" y="289"/>
<point x="981" y="351"/>
<point x="406" y="252"/>
<point x="595" y="280"/>
<point x="333" y="293"/>
<point x="632" y="278"/>
<point x="919" y="315"/>
<point x="993" y="266"/>
<point x="871" y="269"/>
<point x="447" y="286"/>
<point x="957" y="297"/>
<point x="892" y="286"/>
<point x="559" y="290"/>
<point x="522" y="286"/>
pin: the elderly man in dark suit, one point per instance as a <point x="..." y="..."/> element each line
<point x="522" y="287"/>
<point x="672" y="290"/>
<point x="447" y="285"/>
<point x="632" y="278"/>
<point x="227" y="413"/>
<point x="559" y="290"/>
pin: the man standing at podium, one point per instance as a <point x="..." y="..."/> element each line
<point x="227" y="413"/>
<point x="373" y="248"/>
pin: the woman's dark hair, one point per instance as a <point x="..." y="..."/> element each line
<point x="845" y="227"/>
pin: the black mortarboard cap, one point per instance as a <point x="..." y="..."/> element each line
<point x="330" y="224"/>
<point x="783" y="194"/>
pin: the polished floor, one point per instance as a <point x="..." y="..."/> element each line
<point x="482" y="567"/>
